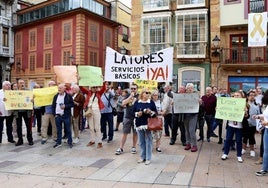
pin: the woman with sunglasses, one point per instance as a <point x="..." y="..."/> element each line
<point x="143" y="109"/>
<point x="93" y="100"/>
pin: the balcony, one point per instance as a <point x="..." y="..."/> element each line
<point x="5" y="21"/>
<point x="246" y="58"/>
<point x="4" y="51"/>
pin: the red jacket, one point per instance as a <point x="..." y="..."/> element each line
<point x="98" y="95"/>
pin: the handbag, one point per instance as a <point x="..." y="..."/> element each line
<point x="155" y="124"/>
<point x="88" y="112"/>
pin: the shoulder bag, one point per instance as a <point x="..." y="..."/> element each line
<point x="155" y="124"/>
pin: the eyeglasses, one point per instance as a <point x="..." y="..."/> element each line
<point x="133" y="88"/>
<point x="147" y="93"/>
<point x="93" y="87"/>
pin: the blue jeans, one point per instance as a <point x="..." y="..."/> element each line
<point x="66" y="120"/>
<point x="230" y="131"/>
<point x="107" y="118"/>
<point x="265" y="152"/>
<point x="146" y="144"/>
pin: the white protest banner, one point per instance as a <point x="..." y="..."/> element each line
<point x="257" y="29"/>
<point x="155" y="66"/>
<point x="186" y="102"/>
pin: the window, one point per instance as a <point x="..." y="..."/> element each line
<point x="125" y="37"/>
<point x="5" y="41"/>
<point x="108" y="37"/>
<point x="190" y="3"/>
<point x="93" y="32"/>
<point x="18" y="42"/>
<point x="66" y="57"/>
<point x="32" y="62"/>
<point x="256" y="6"/>
<point x="48" y="36"/>
<point x="32" y="40"/>
<point x="48" y="60"/>
<point x="155" y="4"/>
<point x="93" y="58"/>
<point x="191" y="35"/>
<point x="67" y="32"/>
<point x="156" y="33"/>
<point x="246" y="83"/>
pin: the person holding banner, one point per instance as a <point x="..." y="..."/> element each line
<point x="61" y="107"/>
<point x="190" y="122"/>
<point x="48" y="118"/>
<point x="26" y="116"/>
<point x="93" y="100"/>
<point x="235" y="127"/>
<point x="5" y="114"/>
<point x="143" y="109"/>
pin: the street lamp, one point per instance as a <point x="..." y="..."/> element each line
<point x="216" y="46"/>
<point x="123" y="50"/>
<point x="72" y="59"/>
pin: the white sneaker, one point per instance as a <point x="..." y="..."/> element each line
<point x="76" y="140"/>
<point x="243" y="151"/>
<point x="252" y="153"/>
<point x="224" y="157"/>
<point x="133" y="150"/>
<point x="239" y="159"/>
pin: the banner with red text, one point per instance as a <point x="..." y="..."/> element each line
<point x="156" y="66"/>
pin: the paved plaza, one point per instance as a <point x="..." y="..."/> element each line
<point x="42" y="166"/>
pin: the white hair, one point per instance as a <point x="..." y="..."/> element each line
<point x="5" y="83"/>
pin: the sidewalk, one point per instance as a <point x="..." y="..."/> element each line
<point x="42" y="166"/>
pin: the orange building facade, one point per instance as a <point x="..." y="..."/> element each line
<point x="61" y="33"/>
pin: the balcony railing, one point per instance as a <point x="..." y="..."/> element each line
<point x="257" y="55"/>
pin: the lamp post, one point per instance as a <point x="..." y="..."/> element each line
<point x="216" y="45"/>
<point x="72" y="60"/>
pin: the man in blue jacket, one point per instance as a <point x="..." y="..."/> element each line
<point x="61" y="108"/>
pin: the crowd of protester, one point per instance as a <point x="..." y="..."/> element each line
<point x="75" y="108"/>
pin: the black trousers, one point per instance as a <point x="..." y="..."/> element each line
<point x="9" y="120"/>
<point x="24" y="115"/>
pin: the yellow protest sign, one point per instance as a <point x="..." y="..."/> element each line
<point x="18" y="100"/>
<point x="150" y="84"/>
<point x="229" y="108"/>
<point x="44" y="96"/>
